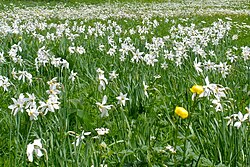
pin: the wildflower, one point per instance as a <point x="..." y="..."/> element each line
<point x="164" y="65"/>
<point x="54" y="87"/>
<point x="150" y="59"/>
<point x="245" y="53"/>
<point x="102" y="131"/>
<point x="111" y="51"/>
<point x="218" y="104"/>
<point x="33" y="113"/>
<point x="197" y="66"/>
<point x="113" y="75"/>
<point x="100" y="71"/>
<point x="241" y="119"/>
<point x="208" y="65"/>
<point x="14" y="73"/>
<point x="122" y="99"/>
<point x="23" y="75"/>
<point x="53" y="90"/>
<point x="51" y="104"/>
<point x="79" y="138"/>
<point x="215" y="89"/>
<point x="104" y="108"/>
<point x="157" y="76"/>
<point x="80" y="50"/>
<point x="101" y="47"/>
<point x="56" y="62"/>
<point x="30" y="101"/>
<point x="231" y="119"/>
<point x="52" y="81"/>
<point x="64" y="64"/>
<point x="34" y="148"/>
<point x="43" y="57"/>
<point x="72" y="76"/>
<point x="4" y="82"/>
<point x="137" y="56"/>
<point x="18" y="104"/>
<point x="196" y="89"/>
<point x="180" y="111"/>
<point x="171" y="149"/>
<point x="102" y="82"/>
<point x="72" y="49"/>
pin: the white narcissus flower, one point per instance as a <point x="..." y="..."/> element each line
<point x="101" y="79"/>
<point x="33" y="113"/>
<point x="102" y="82"/>
<point x="113" y="75"/>
<point x="34" y="148"/>
<point x="101" y="47"/>
<point x="241" y="118"/>
<point x="217" y="90"/>
<point x="122" y="99"/>
<point x="80" y="50"/>
<point x="64" y="64"/>
<point x="30" y="101"/>
<point x="4" y="82"/>
<point x="218" y="105"/>
<point x="72" y="76"/>
<point x="104" y="108"/>
<point x="111" y="51"/>
<point x="18" y="104"/>
<point x="79" y="138"/>
<point x="137" y="56"/>
<point x="51" y="104"/>
<point x="72" y="49"/>
<point x="56" y="62"/>
<point x="100" y="71"/>
<point x="171" y="149"/>
<point x="29" y="152"/>
<point x="164" y="65"/>
<point x="23" y="75"/>
<point x="197" y="66"/>
<point x="231" y="119"/>
<point x="102" y="131"/>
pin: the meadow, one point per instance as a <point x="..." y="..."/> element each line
<point x="125" y="83"/>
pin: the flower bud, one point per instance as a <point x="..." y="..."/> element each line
<point x="197" y="89"/>
<point x="180" y="111"/>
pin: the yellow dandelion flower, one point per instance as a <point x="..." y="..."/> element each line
<point x="182" y="112"/>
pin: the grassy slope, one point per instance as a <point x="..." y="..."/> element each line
<point x="207" y="138"/>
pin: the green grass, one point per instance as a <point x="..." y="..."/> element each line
<point x="141" y="130"/>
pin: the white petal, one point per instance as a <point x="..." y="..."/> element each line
<point x="38" y="153"/>
<point x="38" y="143"/>
<point x="240" y="116"/>
<point x="193" y="96"/>
<point x="87" y="133"/>
<point x="245" y="117"/>
<point x="104" y="99"/>
<point x="237" y="124"/>
<point x="207" y="81"/>
<point x="29" y="152"/>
